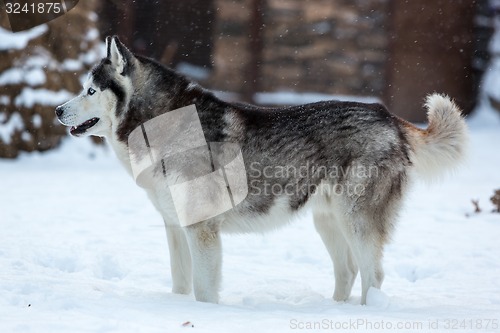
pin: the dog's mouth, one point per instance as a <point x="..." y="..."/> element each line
<point x="82" y="128"/>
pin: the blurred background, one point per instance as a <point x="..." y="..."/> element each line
<point x="269" y="52"/>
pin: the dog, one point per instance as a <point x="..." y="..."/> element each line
<point x="350" y="163"/>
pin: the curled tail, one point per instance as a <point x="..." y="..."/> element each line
<point x="442" y="145"/>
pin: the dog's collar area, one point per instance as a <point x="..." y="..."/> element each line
<point x="80" y="129"/>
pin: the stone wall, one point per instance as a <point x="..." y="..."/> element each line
<point x="329" y="46"/>
<point x="40" y="72"/>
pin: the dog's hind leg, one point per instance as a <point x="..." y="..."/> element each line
<point x="345" y="268"/>
<point x="367" y="248"/>
<point x="180" y="260"/>
<point x="206" y="254"/>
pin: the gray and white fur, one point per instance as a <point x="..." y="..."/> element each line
<point x="340" y="146"/>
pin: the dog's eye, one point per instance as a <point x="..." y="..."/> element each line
<point x="91" y="91"/>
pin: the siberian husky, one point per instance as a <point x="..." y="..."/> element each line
<point x="350" y="163"/>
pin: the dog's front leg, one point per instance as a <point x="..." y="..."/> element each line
<point x="180" y="260"/>
<point x="206" y="254"/>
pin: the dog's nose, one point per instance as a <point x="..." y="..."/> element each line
<point x="59" y="111"/>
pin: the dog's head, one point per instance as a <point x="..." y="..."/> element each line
<point x="105" y="93"/>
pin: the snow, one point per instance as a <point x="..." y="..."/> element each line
<point x="71" y="65"/>
<point x="14" y="123"/>
<point x="19" y="40"/>
<point x="32" y="76"/>
<point x="4" y="100"/>
<point x="29" y="97"/>
<point x="93" y="16"/>
<point x="83" y="250"/>
<point x="193" y="71"/>
<point x="92" y="33"/>
<point x="26" y="136"/>
<point x="41" y="58"/>
<point x="378" y="298"/>
<point x="93" y="55"/>
<point x="36" y="120"/>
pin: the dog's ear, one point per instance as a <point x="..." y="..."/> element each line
<point x="108" y="46"/>
<point x="118" y="54"/>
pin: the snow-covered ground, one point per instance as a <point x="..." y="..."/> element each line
<point x="83" y="250"/>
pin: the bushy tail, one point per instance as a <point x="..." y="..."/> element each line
<point x="442" y="145"/>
